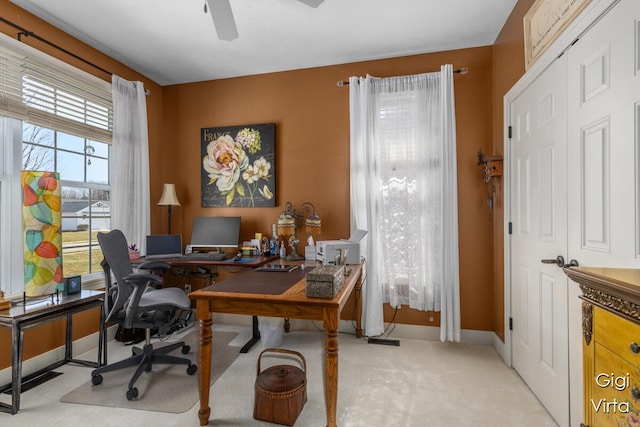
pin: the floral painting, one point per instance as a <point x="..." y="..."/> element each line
<point x="238" y="166"/>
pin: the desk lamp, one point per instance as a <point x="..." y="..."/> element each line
<point x="169" y="199"/>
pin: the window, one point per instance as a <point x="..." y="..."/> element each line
<point x="83" y="165"/>
<point x="53" y="117"/>
<point x="409" y="167"/>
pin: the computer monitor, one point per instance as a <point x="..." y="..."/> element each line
<point x="164" y="246"/>
<point x="215" y="232"/>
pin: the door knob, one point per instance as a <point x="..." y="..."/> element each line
<point x="559" y="261"/>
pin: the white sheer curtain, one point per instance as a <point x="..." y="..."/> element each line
<point x="404" y="192"/>
<point x="130" y="162"/>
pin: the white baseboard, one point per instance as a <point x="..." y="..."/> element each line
<point x="499" y="346"/>
<point x="416" y="332"/>
<point x="43" y="360"/>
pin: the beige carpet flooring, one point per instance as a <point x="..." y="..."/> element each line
<point x="167" y="388"/>
<point x="420" y="383"/>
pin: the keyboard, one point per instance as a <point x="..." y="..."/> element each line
<point x="206" y="256"/>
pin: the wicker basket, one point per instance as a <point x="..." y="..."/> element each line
<point x="281" y="390"/>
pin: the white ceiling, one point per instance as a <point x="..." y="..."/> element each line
<point x="174" y="41"/>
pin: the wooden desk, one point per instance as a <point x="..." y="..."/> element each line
<point x="292" y="303"/>
<point x="243" y="265"/>
<point x="19" y="318"/>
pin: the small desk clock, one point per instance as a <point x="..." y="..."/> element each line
<point x="72" y="285"/>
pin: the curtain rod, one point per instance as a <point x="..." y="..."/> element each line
<point x="462" y="70"/>
<point x="25" y="32"/>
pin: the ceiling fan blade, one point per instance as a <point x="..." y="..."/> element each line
<point x="312" y="3"/>
<point x="222" y="16"/>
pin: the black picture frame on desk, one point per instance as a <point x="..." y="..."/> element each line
<point x="72" y="285"/>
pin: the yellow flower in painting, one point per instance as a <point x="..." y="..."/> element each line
<point x="224" y="160"/>
<point x="266" y="193"/>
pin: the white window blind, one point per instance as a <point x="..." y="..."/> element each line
<point x="45" y="91"/>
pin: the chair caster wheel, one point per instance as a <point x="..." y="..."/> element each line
<point x="185" y="349"/>
<point x="132" y="393"/>
<point x="96" y="379"/>
<point x="192" y="369"/>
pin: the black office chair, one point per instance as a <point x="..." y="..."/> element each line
<point x="133" y="302"/>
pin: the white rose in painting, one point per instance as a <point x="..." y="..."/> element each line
<point x="224" y="161"/>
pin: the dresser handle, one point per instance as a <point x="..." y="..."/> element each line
<point x="635" y="393"/>
<point x="634" y="347"/>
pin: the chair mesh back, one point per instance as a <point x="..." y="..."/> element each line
<point x="116" y="254"/>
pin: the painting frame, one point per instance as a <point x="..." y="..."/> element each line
<point x="544" y="22"/>
<point x="238" y="166"/>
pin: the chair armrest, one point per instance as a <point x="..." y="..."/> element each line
<point x="139" y="281"/>
<point x="142" y="279"/>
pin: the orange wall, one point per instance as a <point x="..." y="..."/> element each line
<point x="312" y="154"/>
<point x="508" y="67"/>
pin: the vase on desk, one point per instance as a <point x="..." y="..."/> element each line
<point x="134" y="255"/>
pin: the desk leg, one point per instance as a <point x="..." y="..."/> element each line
<point x="331" y="365"/>
<point x="358" y="297"/>
<point x="17" y="336"/>
<point x="254" y="338"/>
<point x="68" y="341"/>
<point x="206" y="320"/>
<point x="102" y="343"/>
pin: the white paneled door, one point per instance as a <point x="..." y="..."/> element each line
<point x="604" y="98"/>
<point x="603" y="157"/>
<point x="538" y="198"/>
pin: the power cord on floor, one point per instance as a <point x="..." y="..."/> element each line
<point x="181" y="323"/>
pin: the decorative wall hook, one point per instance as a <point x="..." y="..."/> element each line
<point x="492" y="165"/>
<point x="492" y="168"/>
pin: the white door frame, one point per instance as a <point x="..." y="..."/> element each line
<point x="592" y="13"/>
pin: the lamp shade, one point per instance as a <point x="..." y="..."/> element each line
<point x="169" y="197"/>
<point x="313" y="224"/>
<point x="286" y="225"/>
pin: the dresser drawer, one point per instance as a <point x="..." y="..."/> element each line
<point x="617" y="334"/>
<point x="615" y="387"/>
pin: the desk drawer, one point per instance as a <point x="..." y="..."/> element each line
<point x="617" y="334"/>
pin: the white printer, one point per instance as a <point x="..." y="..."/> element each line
<point x="327" y="250"/>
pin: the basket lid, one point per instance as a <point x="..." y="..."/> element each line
<point x="280" y="378"/>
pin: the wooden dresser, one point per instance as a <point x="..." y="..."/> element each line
<point x="610" y="345"/>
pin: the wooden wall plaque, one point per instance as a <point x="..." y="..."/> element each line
<point x="544" y="22"/>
